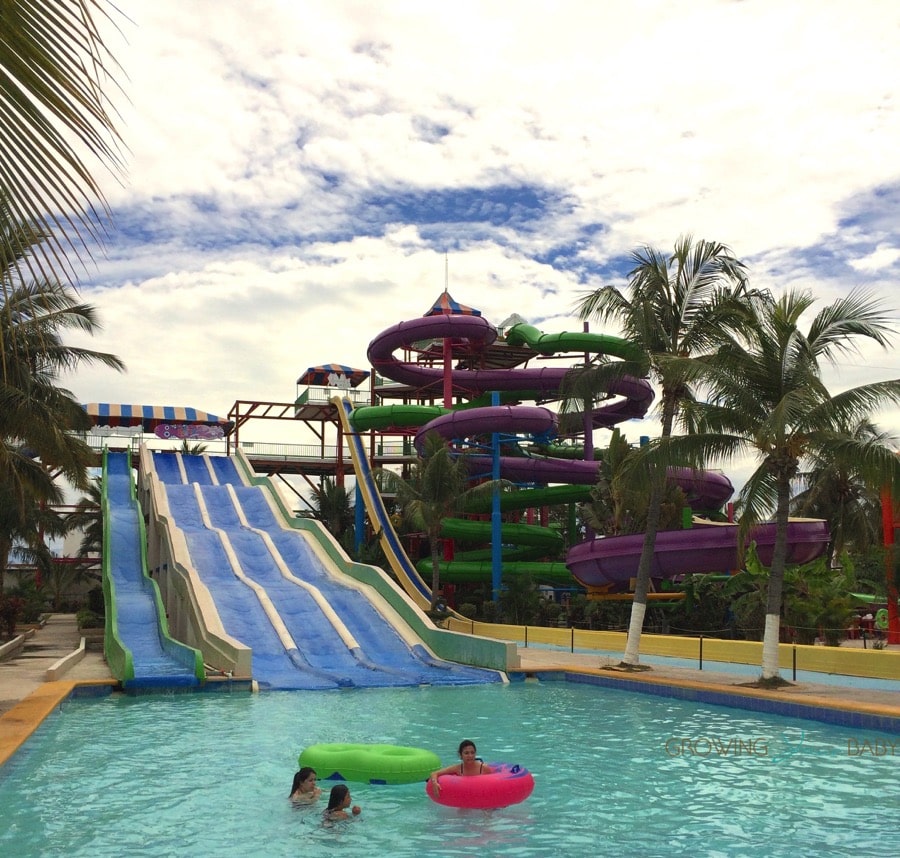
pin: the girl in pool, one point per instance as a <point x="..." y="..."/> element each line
<point x="304" y="789"/>
<point x="338" y="802"/>
<point x="470" y="764"/>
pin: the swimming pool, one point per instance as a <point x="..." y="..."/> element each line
<point x="616" y="773"/>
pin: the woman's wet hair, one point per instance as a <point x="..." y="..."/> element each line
<point x="465" y="743"/>
<point x="338" y="794"/>
<point x="300" y="778"/>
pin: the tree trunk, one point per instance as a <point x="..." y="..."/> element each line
<point x="642" y="584"/>
<point x="435" y="571"/>
<point x="770" y="669"/>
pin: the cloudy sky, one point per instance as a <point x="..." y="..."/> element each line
<point x="297" y="170"/>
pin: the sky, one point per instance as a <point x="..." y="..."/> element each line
<point x="302" y="175"/>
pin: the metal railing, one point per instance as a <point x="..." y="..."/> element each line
<point x="253" y="449"/>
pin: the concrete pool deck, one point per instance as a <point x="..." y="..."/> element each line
<point x="51" y="663"/>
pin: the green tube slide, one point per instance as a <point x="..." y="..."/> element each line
<point x="570" y="341"/>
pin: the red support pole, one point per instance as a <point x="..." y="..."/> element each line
<point x="888" y="523"/>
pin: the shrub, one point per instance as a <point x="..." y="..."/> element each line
<point x="87" y="619"/>
<point x="11" y="609"/>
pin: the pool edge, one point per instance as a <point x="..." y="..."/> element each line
<point x="17" y="725"/>
<point x="856" y="714"/>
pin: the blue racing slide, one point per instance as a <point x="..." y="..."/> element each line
<point x="308" y="628"/>
<point x="138" y="648"/>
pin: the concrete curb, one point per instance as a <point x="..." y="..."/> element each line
<point x="59" y="669"/>
<point x="13" y="646"/>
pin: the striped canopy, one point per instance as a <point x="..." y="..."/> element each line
<point x="327" y="375"/>
<point x="148" y="417"/>
<point x="446" y="306"/>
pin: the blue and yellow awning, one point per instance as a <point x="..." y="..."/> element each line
<point x="148" y="417"/>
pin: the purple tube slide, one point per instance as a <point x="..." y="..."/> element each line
<point x="613" y="560"/>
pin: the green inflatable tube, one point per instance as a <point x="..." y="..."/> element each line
<point x="370" y="764"/>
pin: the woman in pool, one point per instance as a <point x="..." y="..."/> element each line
<point x="304" y="789"/>
<point x="470" y="764"/>
<point x="338" y="802"/>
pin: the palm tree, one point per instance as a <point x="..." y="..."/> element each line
<point x="54" y="65"/>
<point x="23" y="528"/>
<point x="333" y="507"/>
<point x="837" y="492"/>
<point x="438" y="488"/>
<point x="682" y="304"/>
<point x="766" y="397"/>
<point x="87" y="517"/>
<point x="618" y="505"/>
<point x="38" y="418"/>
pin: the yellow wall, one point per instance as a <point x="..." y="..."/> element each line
<point x="848" y="661"/>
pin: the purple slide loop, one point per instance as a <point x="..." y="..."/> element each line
<point x="477" y="332"/>
<point x="514" y="419"/>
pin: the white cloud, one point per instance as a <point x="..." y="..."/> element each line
<point x="248" y="243"/>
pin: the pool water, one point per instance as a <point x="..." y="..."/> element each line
<point x="616" y="773"/>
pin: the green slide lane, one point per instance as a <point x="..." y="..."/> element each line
<point x="571" y="341"/>
<point x="467" y="530"/>
<point x="394" y="416"/>
<point x="474" y="572"/>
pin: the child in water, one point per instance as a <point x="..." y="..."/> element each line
<point x="304" y="789"/>
<point x="338" y="802"/>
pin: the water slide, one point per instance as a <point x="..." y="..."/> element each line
<point x="610" y="563"/>
<point x="402" y="567"/>
<point x="607" y="563"/>
<point x="139" y="650"/>
<point x="632" y="396"/>
<point x="629" y="397"/>
<point x="309" y="626"/>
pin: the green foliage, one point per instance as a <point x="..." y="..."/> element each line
<point x="55" y="67"/>
<point x="437" y="488"/>
<point x="747" y="590"/>
<point x="818" y="598"/>
<point x="334" y="508"/>
<point x="490" y="611"/>
<point x="620" y="503"/>
<point x="87" y="619"/>
<point x="548" y="612"/>
<point x="870" y="568"/>
<point x="519" y="600"/>
<point x="705" y="609"/>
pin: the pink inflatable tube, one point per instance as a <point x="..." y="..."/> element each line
<point x="505" y="785"/>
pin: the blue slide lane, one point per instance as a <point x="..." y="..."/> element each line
<point x="379" y="642"/>
<point x="138" y="624"/>
<point x="322" y="658"/>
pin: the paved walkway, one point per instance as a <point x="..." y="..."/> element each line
<point x="845" y="697"/>
<point x="25" y="670"/>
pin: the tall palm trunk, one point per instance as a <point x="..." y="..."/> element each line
<point x="632" y="656"/>
<point x="642" y="584"/>
<point x="434" y="544"/>
<point x="771" y="635"/>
